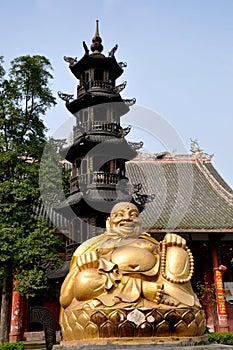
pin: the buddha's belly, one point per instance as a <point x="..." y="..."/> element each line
<point x="130" y="258"/>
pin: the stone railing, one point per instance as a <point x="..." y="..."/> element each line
<point x="100" y="84"/>
<point x="94" y="85"/>
<point x="94" y="180"/>
<point x="97" y="126"/>
<point x="101" y="178"/>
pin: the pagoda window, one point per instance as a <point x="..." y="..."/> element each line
<point x="98" y="74"/>
<point x="85" y="116"/>
<point x="120" y="169"/>
<point x="79" y="116"/>
<point x="112" y="166"/>
<point x="99" y="113"/>
<point x="74" y="171"/>
<point x="118" y="164"/>
<point x="84" y="229"/>
<point x="110" y="115"/>
<point x="99" y="165"/>
<point x="111" y="80"/>
<point x="84" y="166"/>
<point x="106" y="167"/>
<point x="76" y="229"/>
<point x="86" y="76"/>
<point x="78" y="162"/>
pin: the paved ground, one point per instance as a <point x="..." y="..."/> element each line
<point x="111" y="346"/>
<point x="155" y="347"/>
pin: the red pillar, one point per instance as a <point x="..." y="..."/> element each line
<point x="214" y="255"/>
<point x="219" y="289"/>
<point x="220" y="296"/>
<point x="208" y="307"/>
<point x="16" y="317"/>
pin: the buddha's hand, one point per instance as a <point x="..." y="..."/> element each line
<point x="173" y="240"/>
<point x="88" y="260"/>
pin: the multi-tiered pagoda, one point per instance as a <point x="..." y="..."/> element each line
<point x="99" y="150"/>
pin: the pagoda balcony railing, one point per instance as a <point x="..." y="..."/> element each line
<point x="94" y="85"/>
<point x="98" y="126"/>
<point x="100" y="178"/>
<point x="96" y="179"/>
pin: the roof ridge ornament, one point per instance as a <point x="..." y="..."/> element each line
<point x="85" y="48"/>
<point x="198" y="152"/>
<point x="70" y="60"/>
<point x="96" y="46"/>
<point x="112" y="51"/>
<point x="195" y="148"/>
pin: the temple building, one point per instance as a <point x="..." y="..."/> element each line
<point x="193" y="200"/>
<point x="183" y="194"/>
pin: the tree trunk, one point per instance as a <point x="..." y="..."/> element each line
<point x="5" y="303"/>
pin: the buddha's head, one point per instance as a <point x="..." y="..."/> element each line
<point x="124" y="220"/>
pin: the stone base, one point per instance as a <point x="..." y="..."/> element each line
<point x="166" y="343"/>
<point x="110" y="346"/>
<point x="132" y="323"/>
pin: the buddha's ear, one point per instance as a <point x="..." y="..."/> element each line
<point x="108" y="224"/>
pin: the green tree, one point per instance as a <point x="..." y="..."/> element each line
<point x="25" y="97"/>
<point x="54" y="173"/>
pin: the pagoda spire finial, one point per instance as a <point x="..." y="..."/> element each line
<point x="96" y="46"/>
<point x="97" y="28"/>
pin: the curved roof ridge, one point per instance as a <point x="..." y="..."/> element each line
<point x="214" y="183"/>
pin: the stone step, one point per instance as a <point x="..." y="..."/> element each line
<point x="31" y="345"/>
<point x="34" y="336"/>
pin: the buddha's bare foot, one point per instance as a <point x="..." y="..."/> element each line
<point x="159" y="294"/>
<point x="166" y="300"/>
<point x="152" y="291"/>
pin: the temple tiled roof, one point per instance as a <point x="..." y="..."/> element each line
<point x="190" y="195"/>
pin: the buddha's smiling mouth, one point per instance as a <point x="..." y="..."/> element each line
<point x="127" y="224"/>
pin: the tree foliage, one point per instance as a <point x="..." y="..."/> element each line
<point x="54" y="174"/>
<point x="25" y="96"/>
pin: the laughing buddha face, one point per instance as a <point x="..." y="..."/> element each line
<point x="124" y="220"/>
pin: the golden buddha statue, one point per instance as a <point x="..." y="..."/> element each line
<point x="126" y="269"/>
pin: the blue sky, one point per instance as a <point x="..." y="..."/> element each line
<point x="179" y="55"/>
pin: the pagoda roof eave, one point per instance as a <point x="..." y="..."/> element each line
<point x="80" y="204"/>
<point x="89" y="100"/>
<point x="95" y="61"/>
<point x="116" y="147"/>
